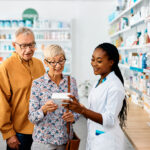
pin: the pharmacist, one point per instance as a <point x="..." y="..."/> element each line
<point x="107" y="103"/>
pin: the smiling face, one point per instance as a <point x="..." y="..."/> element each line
<point x="25" y="46"/>
<point x="101" y="63"/>
<point x="56" y="64"/>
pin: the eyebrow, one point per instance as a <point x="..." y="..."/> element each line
<point x="97" y="57"/>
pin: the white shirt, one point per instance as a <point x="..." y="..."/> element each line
<point x="106" y="99"/>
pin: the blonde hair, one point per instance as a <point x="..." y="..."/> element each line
<point x="23" y="30"/>
<point x="53" y="50"/>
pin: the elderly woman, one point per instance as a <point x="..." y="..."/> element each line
<point x="50" y="120"/>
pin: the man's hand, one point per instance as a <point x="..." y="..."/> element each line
<point x="13" y="142"/>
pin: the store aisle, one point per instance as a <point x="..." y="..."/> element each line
<point x="81" y="130"/>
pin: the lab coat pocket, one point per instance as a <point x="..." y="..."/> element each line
<point x="103" y="141"/>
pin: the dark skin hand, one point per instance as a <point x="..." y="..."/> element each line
<point x="79" y="108"/>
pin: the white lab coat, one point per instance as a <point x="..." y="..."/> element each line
<point x="106" y="99"/>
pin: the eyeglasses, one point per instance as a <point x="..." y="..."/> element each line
<point x="54" y="64"/>
<point x="24" y="46"/>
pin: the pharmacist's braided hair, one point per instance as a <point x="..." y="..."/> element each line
<point x="113" y="54"/>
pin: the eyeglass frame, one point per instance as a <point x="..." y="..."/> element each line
<point x="26" y="45"/>
<point x="50" y="62"/>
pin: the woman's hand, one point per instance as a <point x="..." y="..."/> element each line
<point x="49" y="106"/>
<point x="73" y="105"/>
<point x="68" y="117"/>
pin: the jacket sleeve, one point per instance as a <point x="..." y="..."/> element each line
<point x="74" y="92"/>
<point x="35" y="112"/>
<point x="113" y="107"/>
<point x="6" y="126"/>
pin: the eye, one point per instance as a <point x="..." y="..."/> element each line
<point x="92" y="59"/>
<point x="99" y="61"/>
<point x="61" y="60"/>
<point x="24" y="45"/>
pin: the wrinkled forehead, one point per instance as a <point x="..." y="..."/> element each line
<point x="25" y="38"/>
<point x="24" y="35"/>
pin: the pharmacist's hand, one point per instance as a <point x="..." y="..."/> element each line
<point x="68" y="117"/>
<point x="49" y="106"/>
<point x="73" y="105"/>
<point x="13" y="142"/>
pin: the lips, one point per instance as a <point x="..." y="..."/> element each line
<point x="58" y="70"/>
<point x="28" y="54"/>
<point x="95" y="69"/>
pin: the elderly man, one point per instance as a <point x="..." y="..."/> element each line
<point x="16" y="76"/>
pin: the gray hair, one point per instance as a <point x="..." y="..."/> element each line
<point x="23" y="30"/>
<point x="53" y="50"/>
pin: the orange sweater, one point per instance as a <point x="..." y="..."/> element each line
<point x="16" y="78"/>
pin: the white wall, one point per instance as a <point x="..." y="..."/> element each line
<point x="90" y="25"/>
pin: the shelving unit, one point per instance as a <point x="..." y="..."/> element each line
<point x="132" y="54"/>
<point x="134" y="65"/>
<point x="134" y="68"/>
<point x="125" y="11"/>
<point x="43" y="36"/>
<point x="135" y="47"/>
<point x="129" y="27"/>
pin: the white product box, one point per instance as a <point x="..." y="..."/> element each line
<point x="58" y="97"/>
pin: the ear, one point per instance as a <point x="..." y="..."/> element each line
<point x="14" y="45"/>
<point x="111" y="62"/>
<point x="45" y="62"/>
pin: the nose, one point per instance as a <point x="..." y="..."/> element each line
<point x="28" y="49"/>
<point x="93" y="63"/>
<point x="58" y="65"/>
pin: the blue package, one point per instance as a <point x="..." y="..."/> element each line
<point x="14" y="23"/>
<point x="7" y="23"/>
<point x="1" y="23"/>
<point x="98" y="132"/>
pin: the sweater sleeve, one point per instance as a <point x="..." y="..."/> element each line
<point x="6" y="126"/>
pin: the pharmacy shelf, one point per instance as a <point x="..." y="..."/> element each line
<point x="134" y="47"/>
<point x="125" y="11"/>
<point x="119" y="32"/>
<point x="43" y="36"/>
<point x="134" y="68"/>
<point x="37" y="29"/>
<point x="52" y="41"/>
<point x="39" y="40"/>
<point x="142" y="20"/>
<point x="124" y="66"/>
<point x="131" y="89"/>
